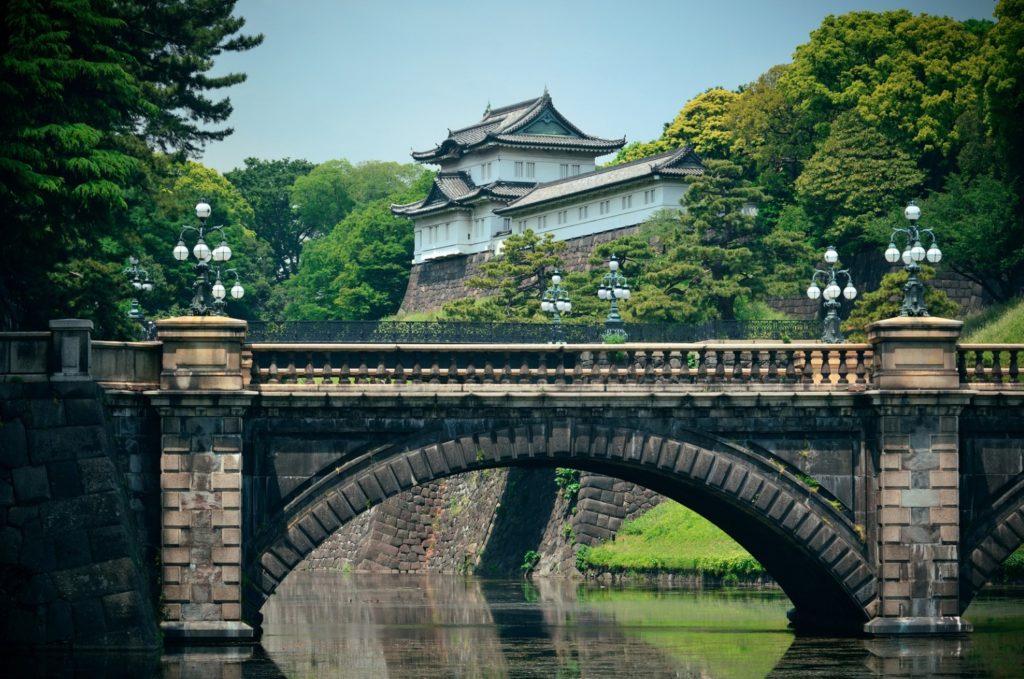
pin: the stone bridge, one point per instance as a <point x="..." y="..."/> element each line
<point x="880" y="484"/>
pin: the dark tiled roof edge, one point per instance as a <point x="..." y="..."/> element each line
<point x="656" y="168"/>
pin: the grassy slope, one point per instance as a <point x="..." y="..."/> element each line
<point x="671" y="537"/>
<point x="1003" y="324"/>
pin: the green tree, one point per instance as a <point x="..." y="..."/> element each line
<point x="703" y="123"/>
<point x="266" y="185"/>
<point x="886" y="300"/>
<point x="855" y="176"/>
<point x="718" y="253"/>
<point x="174" y="45"/>
<point x="515" y="279"/>
<point x="980" y="232"/>
<point x="321" y="198"/>
<point x="1004" y="84"/>
<point x="361" y="268"/>
<point x="908" y="77"/>
<point x="373" y="180"/>
<point x="85" y="94"/>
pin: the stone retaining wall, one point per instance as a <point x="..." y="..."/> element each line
<point x="448" y="526"/>
<point x="71" y="565"/>
<point x="438" y="527"/>
<point x="434" y="283"/>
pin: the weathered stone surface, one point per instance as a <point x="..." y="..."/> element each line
<point x="13" y="444"/>
<point x="73" y="550"/>
<point x="97" y="474"/>
<point x="64" y="443"/>
<point x="31" y="484"/>
<point x="109" y="577"/>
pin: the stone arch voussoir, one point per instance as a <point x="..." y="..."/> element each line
<point x="740" y="485"/>
<point x="990" y="540"/>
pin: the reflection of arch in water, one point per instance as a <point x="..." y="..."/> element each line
<point x="370" y="624"/>
<point x="809" y="547"/>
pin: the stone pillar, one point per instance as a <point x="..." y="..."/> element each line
<point x="918" y="509"/>
<point x="71" y="349"/>
<point x="201" y="404"/>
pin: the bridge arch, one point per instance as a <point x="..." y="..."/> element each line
<point x="812" y="549"/>
<point x="990" y="540"/>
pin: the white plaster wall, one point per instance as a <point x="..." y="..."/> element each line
<point x="666" y="196"/>
<point x="503" y="165"/>
<point x="471" y="233"/>
<point x="442" y="235"/>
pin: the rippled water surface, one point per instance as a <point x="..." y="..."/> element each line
<point x="322" y="625"/>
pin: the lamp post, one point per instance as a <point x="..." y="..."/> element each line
<point x="913" y="253"/>
<point x="829" y="278"/>
<point x="555" y="301"/>
<point x="207" y="299"/>
<point x="613" y="288"/>
<point x="140" y="283"/>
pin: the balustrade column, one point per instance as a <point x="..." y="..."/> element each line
<point x="201" y="403"/>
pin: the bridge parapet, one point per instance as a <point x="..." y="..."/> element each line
<point x="743" y="365"/>
<point x="989" y="365"/>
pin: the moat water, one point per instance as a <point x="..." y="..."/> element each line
<point x="321" y="625"/>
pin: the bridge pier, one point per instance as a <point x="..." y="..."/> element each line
<point x="918" y="468"/>
<point x="201" y="403"/>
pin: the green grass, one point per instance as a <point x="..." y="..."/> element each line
<point x="1003" y="324"/>
<point x="672" y="537"/>
<point x="1012" y="569"/>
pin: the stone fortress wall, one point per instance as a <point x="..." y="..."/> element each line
<point x="73" y="528"/>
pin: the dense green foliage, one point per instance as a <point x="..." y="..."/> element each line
<point x="266" y="185"/>
<point x="360" y="268"/>
<point x="671" y="537"/>
<point x="90" y="90"/>
<point x="106" y="101"/>
<point x="876" y="109"/>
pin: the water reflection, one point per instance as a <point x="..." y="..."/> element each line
<point x="389" y="626"/>
<point x="322" y="625"/>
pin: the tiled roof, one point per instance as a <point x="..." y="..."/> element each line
<point x="456" y="190"/>
<point x="502" y="126"/>
<point x="550" y="140"/>
<point x="679" y="163"/>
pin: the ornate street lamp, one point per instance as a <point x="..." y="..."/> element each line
<point x="207" y="299"/>
<point x="555" y="301"/>
<point x="613" y="288"/>
<point x="829" y="278"/>
<point x="140" y="283"/>
<point x="913" y="253"/>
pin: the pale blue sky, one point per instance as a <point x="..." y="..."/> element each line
<point x="372" y="80"/>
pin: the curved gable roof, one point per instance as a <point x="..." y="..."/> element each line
<point x="534" y="123"/>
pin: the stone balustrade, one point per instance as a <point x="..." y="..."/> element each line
<point x="995" y="364"/>
<point x="28" y="356"/>
<point x="744" y="365"/>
